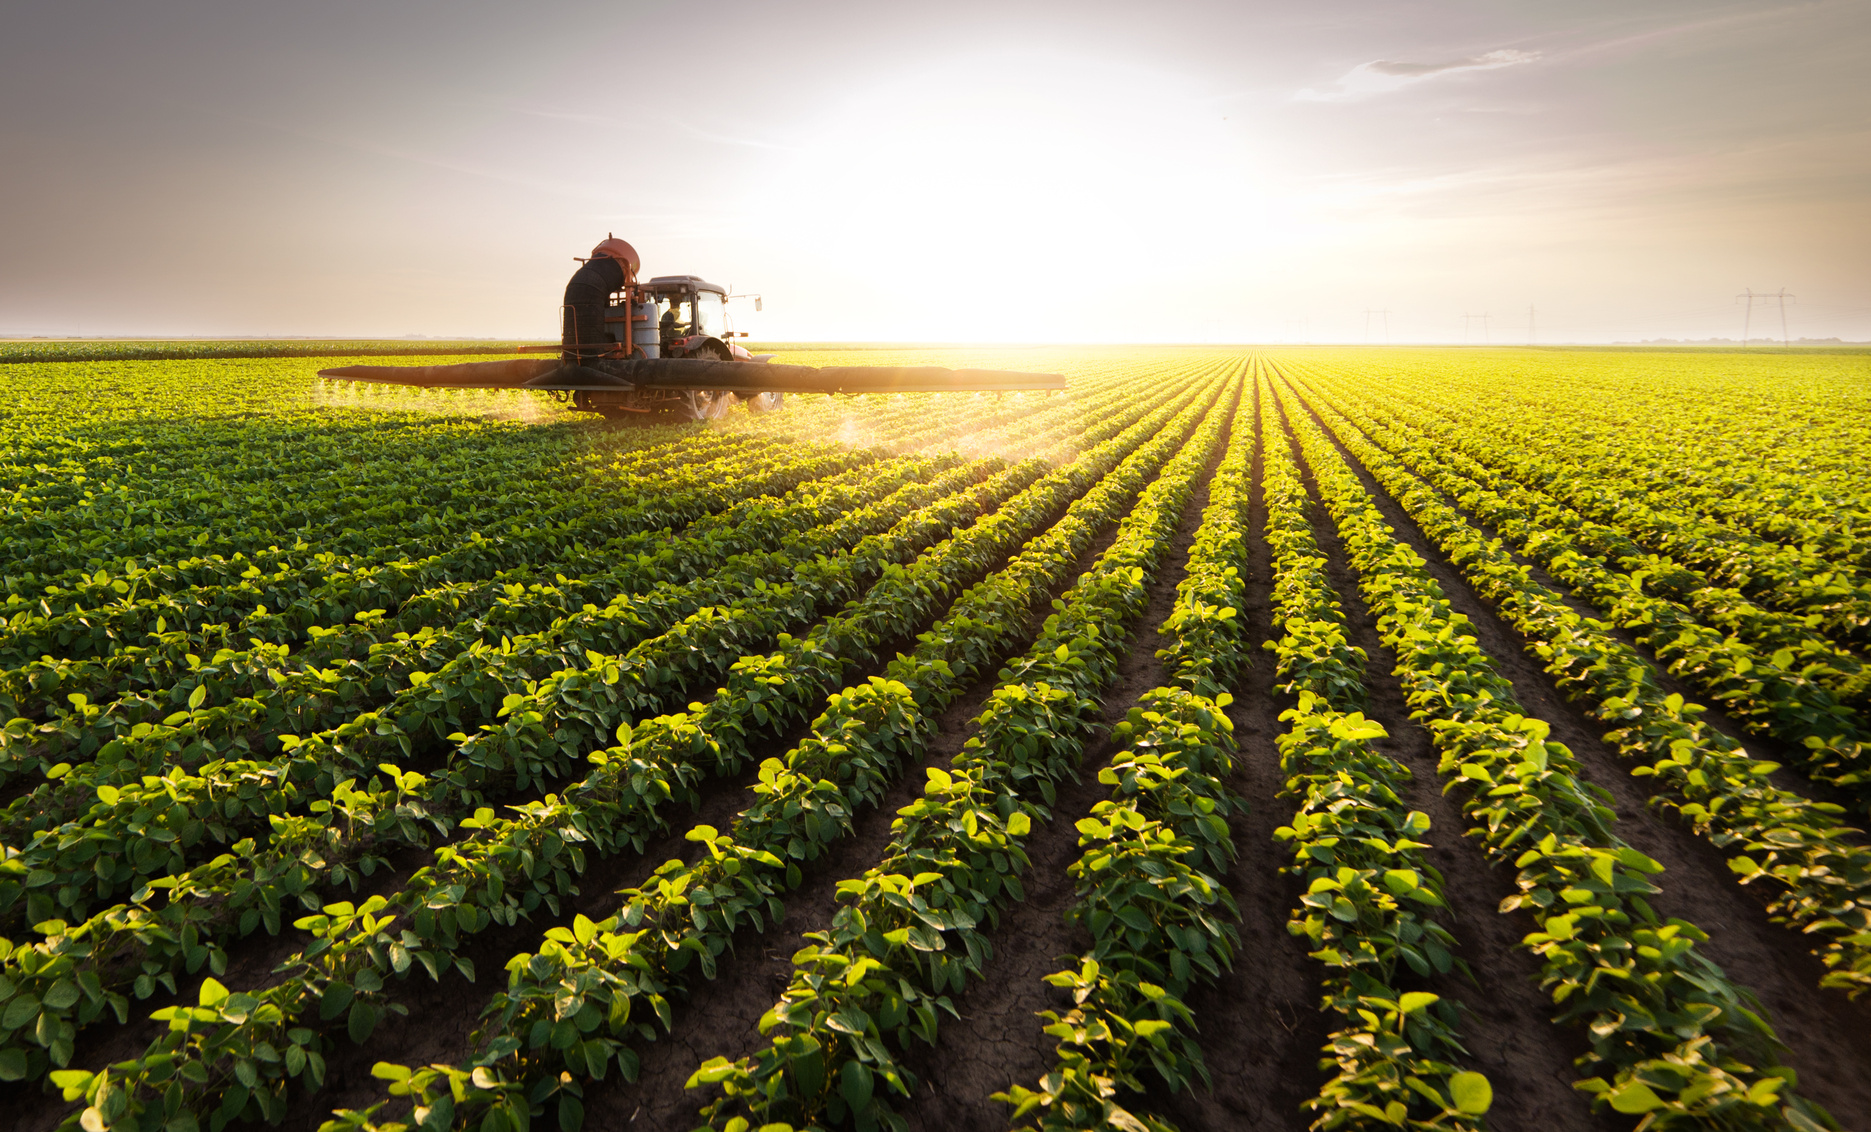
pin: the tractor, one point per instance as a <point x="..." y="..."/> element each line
<point x="663" y="347"/>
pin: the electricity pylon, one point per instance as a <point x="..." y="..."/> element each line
<point x="1747" y="320"/>
<point x="1367" y="324"/>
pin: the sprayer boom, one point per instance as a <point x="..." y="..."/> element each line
<point x="743" y="378"/>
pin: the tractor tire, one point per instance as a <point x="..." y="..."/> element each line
<point x="770" y="402"/>
<point x="708" y="404"/>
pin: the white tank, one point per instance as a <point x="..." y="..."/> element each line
<point x="643" y="331"/>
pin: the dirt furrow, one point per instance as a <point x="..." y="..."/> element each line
<point x="1526" y="1058"/>
<point x="1261" y="1029"/>
<point x="443" y="1015"/>
<point x="1787" y="754"/>
<point x="1829" y="1036"/>
<point x="997" y="1041"/>
<point x="721" y="1016"/>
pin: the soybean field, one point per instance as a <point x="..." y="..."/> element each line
<point x="1240" y="738"/>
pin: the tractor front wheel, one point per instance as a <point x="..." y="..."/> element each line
<point x="769" y="402"/>
<point x="708" y="404"/>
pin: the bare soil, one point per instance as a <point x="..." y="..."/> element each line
<point x="1828" y="1036"/>
<point x="720" y="1019"/>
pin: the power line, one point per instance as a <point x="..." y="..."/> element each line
<point x="1468" y="320"/>
<point x="1368" y="312"/>
<point x="1529" y="324"/>
<point x="1747" y="319"/>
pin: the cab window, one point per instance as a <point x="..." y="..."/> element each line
<point x="710" y="314"/>
<point x="674" y="316"/>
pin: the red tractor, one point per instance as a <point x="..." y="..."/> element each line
<point x="664" y="347"/>
<point x="685" y="316"/>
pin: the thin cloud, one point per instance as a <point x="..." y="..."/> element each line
<point x="725" y="139"/>
<point x="568" y="116"/>
<point x="1382" y="76"/>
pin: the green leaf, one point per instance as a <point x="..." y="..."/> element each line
<point x="855" y="1085"/>
<point x="108" y="795"/>
<point x="713" y="1071"/>
<point x="212" y="992"/>
<point x="1471" y="1092"/>
<point x="1763" y="1091"/>
<point x="62" y="995"/>
<point x="1634" y="1097"/>
<point x="362" y="1020"/>
<point x="19" y="1012"/>
<point x="12" y="1065"/>
<point x="1416" y="1000"/>
<point x="71" y="1080"/>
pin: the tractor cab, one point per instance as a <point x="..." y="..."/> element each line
<point x="690" y="316"/>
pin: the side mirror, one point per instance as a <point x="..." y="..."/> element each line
<point x="756" y="304"/>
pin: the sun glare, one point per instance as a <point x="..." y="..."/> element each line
<point x="1028" y="187"/>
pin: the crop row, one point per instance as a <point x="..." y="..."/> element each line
<point x="932" y="522"/>
<point x="1149" y="894"/>
<point x="914" y="927"/>
<point x="1778" y="640"/>
<point x="614" y="806"/>
<point x="242" y="890"/>
<point x="484" y="610"/>
<point x="240" y="701"/>
<point x="475" y="682"/>
<point x="483" y="680"/>
<point x="410" y="796"/>
<point x="687" y="914"/>
<point x="1779" y="694"/>
<point x="1818" y="871"/>
<point x="1792" y="578"/>
<point x="282" y="611"/>
<point x="480" y="682"/>
<point x="38" y="681"/>
<point x="1372" y="905"/>
<point x="1148" y="887"/>
<point x="204" y="530"/>
<point x="1796" y="492"/>
<point x="1670" y="1036"/>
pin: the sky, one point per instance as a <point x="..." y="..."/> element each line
<point x="1242" y="171"/>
